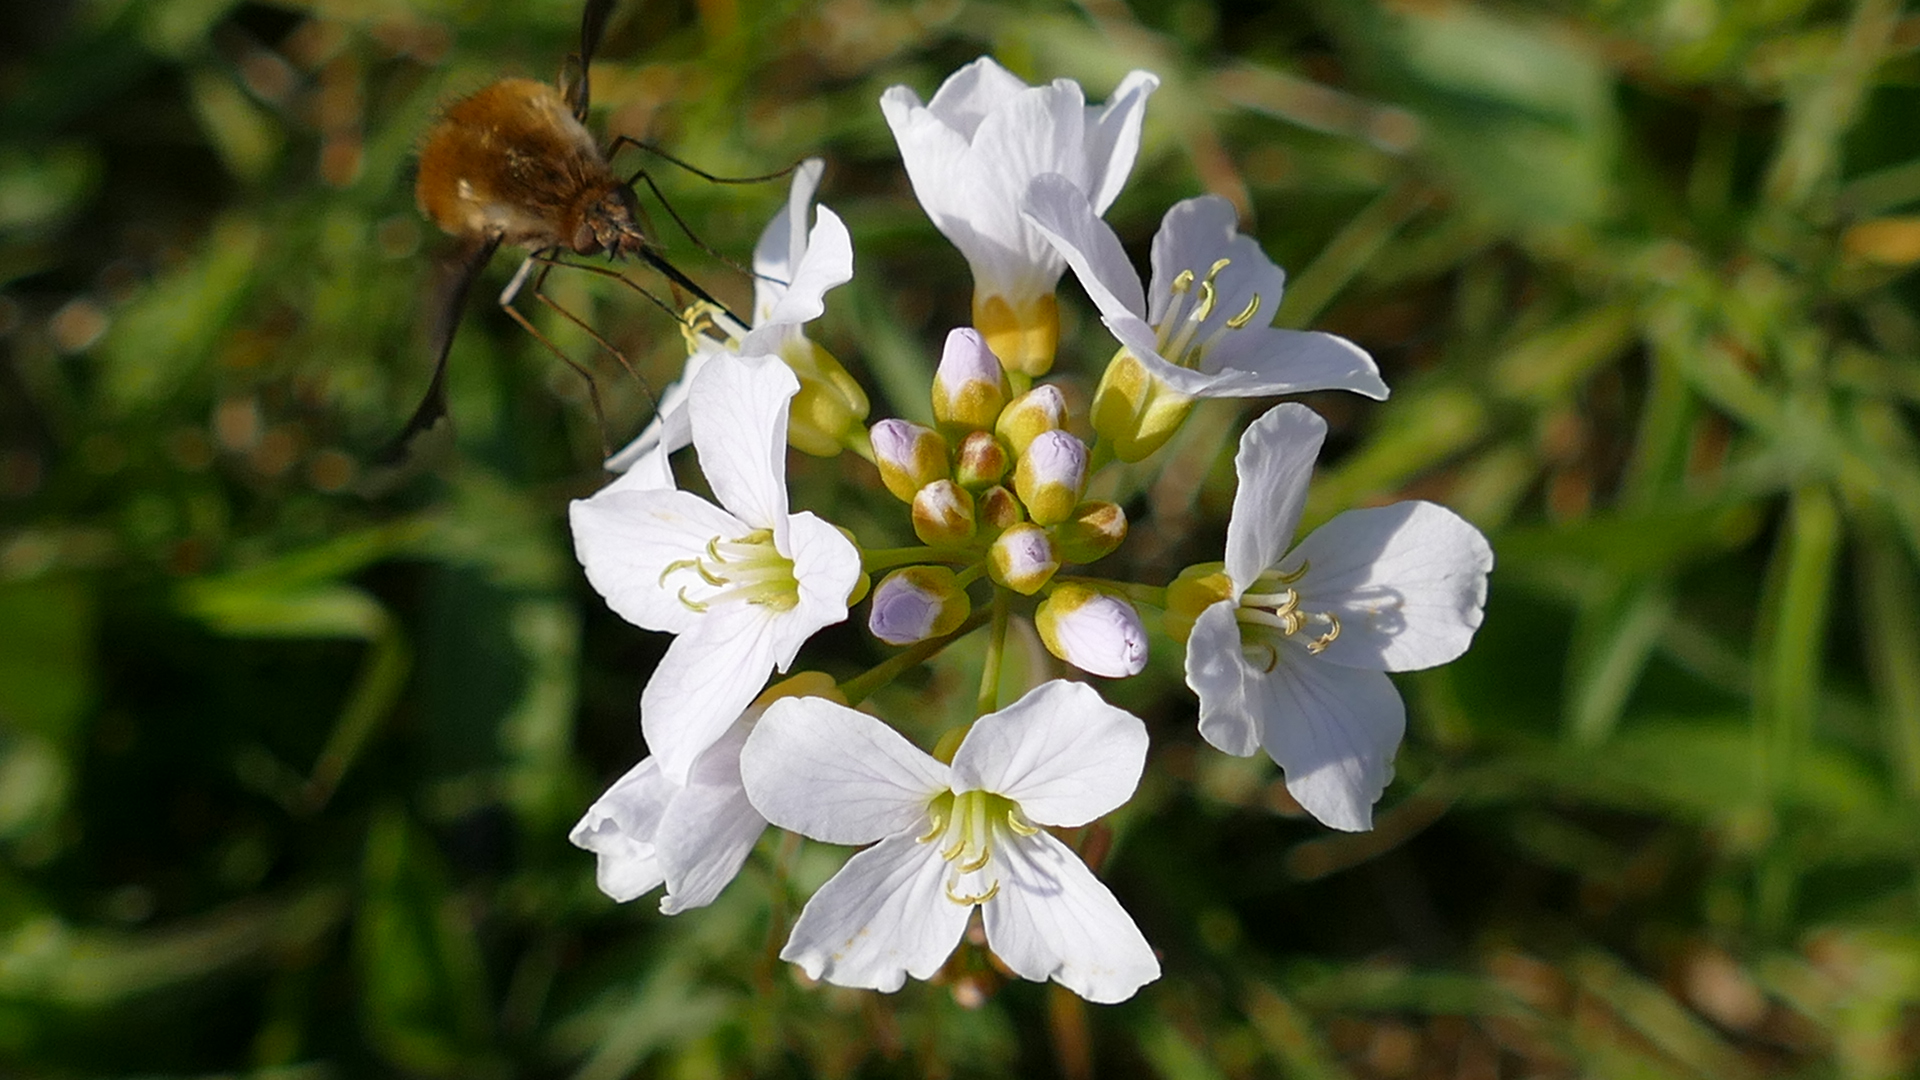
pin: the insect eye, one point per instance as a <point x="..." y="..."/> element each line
<point x="584" y="241"/>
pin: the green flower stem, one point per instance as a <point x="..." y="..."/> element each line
<point x="970" y="575"/>
<point x="861" y="686"/>
<point x="996" y="649"/>
<point x="858" y="441"/>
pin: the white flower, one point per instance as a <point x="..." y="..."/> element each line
<point x="793" y="271"/>
<point x="948" y="838"/>
<point x="743" y="584"/>
<point x="1203" y="329"/>
<point x="1288" y="648"/>
<point x="647" y="830"/>
<point x="971" y="152"/>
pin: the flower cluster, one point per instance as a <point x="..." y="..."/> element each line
<point x="1287" y="645"/>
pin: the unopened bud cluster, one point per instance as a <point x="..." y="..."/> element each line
<point x="999" y="490"/>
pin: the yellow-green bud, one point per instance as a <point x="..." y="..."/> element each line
<point x="1043" y="408"/>
<point x="1094" y="530"/>
<point x="1021" y="558"/>
<point x="943" y="514"/>
<point x="1197" y="588"/>
<point x="909" y="456"/>
<point x="1135" y="412"/>
<point x="917" y="603"/>
<point x="1098" y="633"/>
<point x="981" y="461"/>
<point x="997" y="509"/>
<point x="830" y="404"/>
<point x="969" y="387"/>
<point x="1051" y="476"/>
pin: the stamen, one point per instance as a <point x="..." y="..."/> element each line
<point x="1319" y="644"/>
<point x="692" y="605"/>
<point x="1205" y="307"/>
<point x="1246" y="314"/>
<point x="1218" y="265"/>
<point x="1182" y="281"/>
<point x="969" y="901"/>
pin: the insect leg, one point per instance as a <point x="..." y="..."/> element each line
<point x="507" y="297"/>
<point x="628" y="140"/>
<point x="456" y="279"/>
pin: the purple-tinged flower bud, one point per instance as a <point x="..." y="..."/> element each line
<point x="997" y="509"/>
<point x="909" y="456"/>
<point x="1094" y="530"/>
<point x="981" y="461"/>
<point x="917" y="603"/>
<point x="1043" y="408"/>
<point x="1021" y="558"/>
<point x="970" y="387"/>
<point x="943" y="514"/>
<point x="1051" y="476"/>
<point x="1095" y="632"/>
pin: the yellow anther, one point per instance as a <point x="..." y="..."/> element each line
<point x="1246" y="314"/>
<point x="969" y="901"/>
<point x="1319" y="644"/>
<point x="1290" y="577"/>
<point x="713" y="550"/>
<point x="1292" y="620"/>
<point x="692" y="605"/>
<point x="1020" y="828"/>
<point x="1182" y="281"/>
<point x="971" y="865"/>
<point x="1218" y="265"/>
<point x="1205" y="307"/>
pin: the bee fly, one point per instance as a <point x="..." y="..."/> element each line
<point x="514" y="164"/>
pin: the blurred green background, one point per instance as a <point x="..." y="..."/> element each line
<point x="286" y="769"/>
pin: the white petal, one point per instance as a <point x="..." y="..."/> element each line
<point x="1262" y="361"/>
<point x="709" y="827"/>
<point x="620" y="828"/>
<point x="1113" y="137"/>
<point x="1333" y="730"/>
<point x="1407" y="582"/>
<point x="1194" y="235"/>
<point x="833" y="774"/>
<point x="1053" y="919"/>
<point x="883" y="917"/>
<point x="1061" y="752"/>
<point x="1218" y="674"/>
<point x="825" y="564"/>
<point x="783" y="240"/>
<point x="969" y="94"/>
<point x="1060" y="211"/>
<point x="1274" y="463"/>
<point x="626" y="540"/>
<point x="828" y="262"/>
<point x="739" y="411"/>
<point x="708" y="677"/>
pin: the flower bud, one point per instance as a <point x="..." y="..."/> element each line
<point x="917" y="603"/>
<point x="909" y="456"/>
<point x="1051" y="476"/>
<point x="1021" y="558"/>
<point x="943" y="514"/>
<point x="997" y="509"/>
<point x="981" y="461"/>
<point x="970" y="387"/>
<point x="830" y="405"/>
<point x="1043" y="408"/>
<point x="1094" y="530"/>
<point x="1134" y="411"/>
<point x="1095" y="632"/>
<point x="1024" y="334"/>
<point x="1194" y="591"/>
